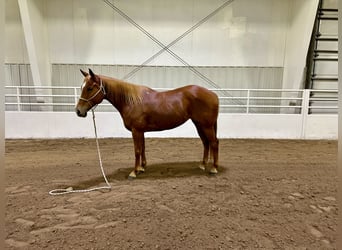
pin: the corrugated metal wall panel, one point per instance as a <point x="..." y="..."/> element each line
<point x="20" y="75"/>
<point x="175" y="76"/>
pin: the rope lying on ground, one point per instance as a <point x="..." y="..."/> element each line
<point x="70" y="190"/>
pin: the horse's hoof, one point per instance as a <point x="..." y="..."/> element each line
<point x="202" y="167"/>
<point x="140" y="170"/>
<point x="213" y="171"/>
<point x="132" y="175"/>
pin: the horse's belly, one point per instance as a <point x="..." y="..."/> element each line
<point x="164" y="122"/>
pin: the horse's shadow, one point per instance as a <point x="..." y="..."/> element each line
<point x="154" y="171"/>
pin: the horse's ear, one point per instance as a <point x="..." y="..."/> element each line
<point x="92" y="74"/>
<point x="84" y="73"/>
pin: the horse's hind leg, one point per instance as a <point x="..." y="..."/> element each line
<point x="214" y="150"/>
<point x="205" y="146"/>
<point x="213" y="142"/>
<point x="139" y="151"/>
<point x="143" y="156"/>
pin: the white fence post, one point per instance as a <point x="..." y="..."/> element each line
<point x="305" y="110"/>
<point x="18" y="98"/>
<point x="75" y="95"/>
<point x="247" y="104"/>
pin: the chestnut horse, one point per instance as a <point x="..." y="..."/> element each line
<point x="144" y="109"/>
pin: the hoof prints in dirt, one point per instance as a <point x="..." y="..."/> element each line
<point x="327" y="208"/>
<point x="17" y="190"/>
<point x="79" y="212"/>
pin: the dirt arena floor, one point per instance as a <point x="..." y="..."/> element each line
<point x="269" y="194"/>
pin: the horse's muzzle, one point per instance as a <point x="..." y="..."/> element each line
<point x="80" y="114"/>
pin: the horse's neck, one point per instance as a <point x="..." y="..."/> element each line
<point x="121" y="94"/>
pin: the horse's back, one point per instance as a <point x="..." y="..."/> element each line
<point x="188" y="101"/>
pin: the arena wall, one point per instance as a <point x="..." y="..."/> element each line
<point x="248" y="44"/>
<point x="109" y="124"/>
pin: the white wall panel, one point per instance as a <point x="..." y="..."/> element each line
<point x="318" y="126"/>
<point x="61" y="30"/>
<point x="68" y="125"/>
<point x="245" y="33"/>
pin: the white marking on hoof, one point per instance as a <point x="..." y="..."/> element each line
<point x="202" y="167"/>
<point x="213" y="171"/>
<point x="132" y="175"/>
<point x="140" y="170"/>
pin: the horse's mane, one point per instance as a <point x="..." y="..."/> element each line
<point x="125" y="92"/>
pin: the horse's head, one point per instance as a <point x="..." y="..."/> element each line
<point x="92" y="93"/>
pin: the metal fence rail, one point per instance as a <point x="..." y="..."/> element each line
<point x="260" y="101"/>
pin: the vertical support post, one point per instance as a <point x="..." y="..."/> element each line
<point x="35" y="34"/>
<point x="18" y="99"/>
<point x="305" y="101"/>
<point x="75" y="95"/>
<point x="247" y="104"/>
<point x="305" y="110"/>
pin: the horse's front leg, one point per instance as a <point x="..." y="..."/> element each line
<point x="139" y="152"/>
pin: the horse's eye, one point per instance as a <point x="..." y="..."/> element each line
<point x="89" y="89"/>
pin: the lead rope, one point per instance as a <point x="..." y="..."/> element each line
<point x="69" y="190"/>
